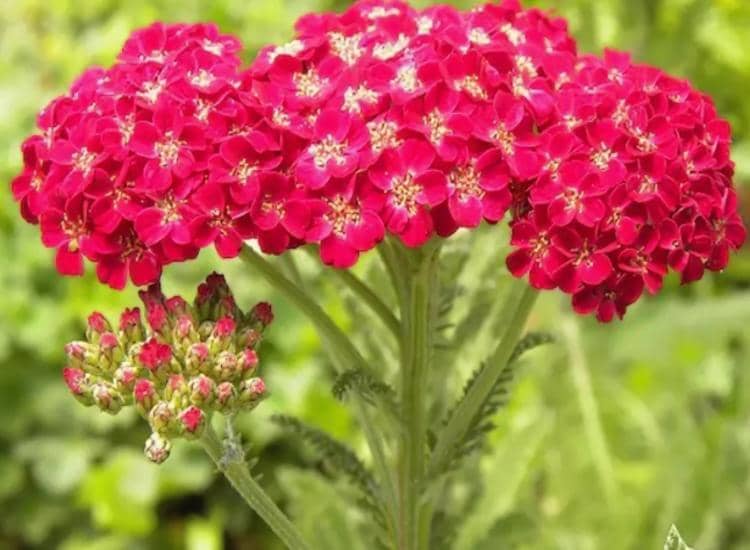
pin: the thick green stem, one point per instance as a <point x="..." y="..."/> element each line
<point x="417" y="328"/>
<point x="344" y="356"/>
<point x="517" y="309"/>
<point x="236" y="472"/>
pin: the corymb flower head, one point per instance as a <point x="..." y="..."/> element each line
<point x="112" y="174"/>
<point x="386" y="120"/>
<point x="176" y="368"/>
<point x="637" y="180"/>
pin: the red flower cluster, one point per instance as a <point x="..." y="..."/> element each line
<point x="119" y="172"/>
<point x="402" y="121"/>
<point x="636" y="180"/>
<point x="185" y="363"/>
<point x="385" y="119"/>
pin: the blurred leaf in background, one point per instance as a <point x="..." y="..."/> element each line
<point x="610" y="437"/>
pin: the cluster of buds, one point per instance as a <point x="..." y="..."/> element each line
<point x="184" y="363"/>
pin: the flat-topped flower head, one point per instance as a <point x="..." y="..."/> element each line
<point x="175" y="379"/>
<point x="119" y="155"/>
<point x="626" y="196"/>
<point x="386" y="120"/>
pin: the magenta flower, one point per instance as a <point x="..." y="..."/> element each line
<point x="344" y="224"/>
<point x="75" y="160"/>
<point x="337" y="140"/>
<point x="219" y="220"/>
<point x="411" y="187"/>
<point x="575" y="194"/>
<point x="240" y="160"/>
<point x="168" y="143"/>
<point x="387" y="120"/>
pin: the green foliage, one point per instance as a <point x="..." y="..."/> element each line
<point x="671" y="382"/>
<point x="482" y="423"/>
<point x="338" y="458"/>
<point x="366" y="385"/>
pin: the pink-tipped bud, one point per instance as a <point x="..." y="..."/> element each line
<point x="125" y="377"/>
<point x="193" y="421"/>
<point x="202" y="390"/>
<point x="248" y="362"/>
<point x="110" y="352"/>
<point x="106" y="397"/>
<point x="227" y="306"/>
<point x="196" y="358"/>
<point x="263" y="314"/>
<point x="252" y="391"/>
<point x="152" y="295"/>
<point x="108" y="341"/>
<point x="222" y="334"/>
<point x="155" y="356"/>
<point x="176" y="387"/>
<point x="184" y="329"/>
<point x="224" y="327"/>
<point x="76" y="352"/>
<point x="226" y="396"/>
<point x="226" y="366"/>
<point x="157" y="448"/>
<point x="176" y="306"/>
<point x="96" y="325"/>
<point x="161" y="417"/>
<point x="249" y="337"/>
<point x="217" y="283"/>
<point x="144" y="395"/>
<point x="131" y="326"/>
<point x="78" y="384"/>
<point x="210" y="294"/>
<point x="156" y="315"/>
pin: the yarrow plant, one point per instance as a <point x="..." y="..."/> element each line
<point x="383" y="127"/>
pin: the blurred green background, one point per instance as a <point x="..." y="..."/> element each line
<point x="612" y="434"/>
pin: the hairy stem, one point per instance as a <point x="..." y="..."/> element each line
<point x="418" y="318"/>
<point x="517" y="308"/>
<point x="235" y="470"/>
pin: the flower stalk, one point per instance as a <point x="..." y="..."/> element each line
<point x="417" y="329"/>
<point x="234" y="468"/>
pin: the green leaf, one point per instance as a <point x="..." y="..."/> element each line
<point x="674" y="540"/>
<point x="496" y="399"/>
<point x="323" y="515"/>
<point x="340" y="458"/>
<point x="365" y="383"/>
<point x="503" y="473"/>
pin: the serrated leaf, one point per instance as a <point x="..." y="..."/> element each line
<point x="340" y="458"/>
<point x="496" y="399"/>
<point x="368" y="387"/>
<point x="321" y="514"/>
<point x="503" y="474"/>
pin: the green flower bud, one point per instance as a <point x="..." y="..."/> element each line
<point x="106" y="397"/>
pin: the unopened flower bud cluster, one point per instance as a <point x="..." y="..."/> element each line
<point x="176" y="368"/>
